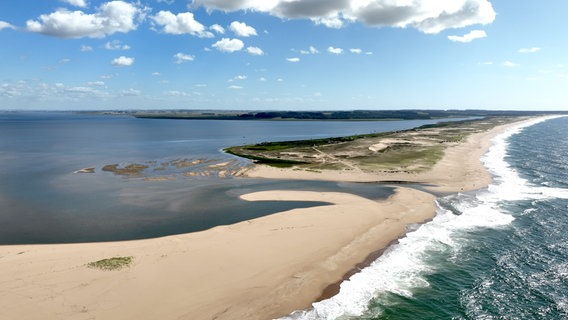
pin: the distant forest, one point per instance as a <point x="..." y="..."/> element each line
<point x="328" y="115"/>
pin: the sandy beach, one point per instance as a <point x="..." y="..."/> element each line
<point x="257" y="269"/>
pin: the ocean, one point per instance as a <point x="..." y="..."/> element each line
<point x="497" y="253"/>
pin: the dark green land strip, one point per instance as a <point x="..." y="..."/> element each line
<point x="356" y="115"/>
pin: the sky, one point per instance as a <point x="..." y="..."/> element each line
<point x="283" y="54"/>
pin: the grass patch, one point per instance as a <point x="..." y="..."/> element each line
<point x="273" y="162"/>
<point x="111" y="264"/>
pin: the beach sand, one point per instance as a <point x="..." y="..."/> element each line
<point x="257" y="269"/>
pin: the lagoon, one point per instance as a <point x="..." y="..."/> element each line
<point x="43" y="200"/>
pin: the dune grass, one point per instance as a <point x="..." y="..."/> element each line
<point x="110" y="264"/>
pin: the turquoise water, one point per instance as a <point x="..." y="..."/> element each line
<point x="499" y="253"/>
<point x="43" y="201"/>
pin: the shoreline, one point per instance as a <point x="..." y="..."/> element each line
<point x="257" y="269"/>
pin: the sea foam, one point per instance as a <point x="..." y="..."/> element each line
<point x="403" y="267"/>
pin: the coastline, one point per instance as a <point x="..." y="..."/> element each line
<point x="257" y="269"/>
<point x="460" y="169"/>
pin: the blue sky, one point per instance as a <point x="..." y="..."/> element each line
<point x="283" y="54"/>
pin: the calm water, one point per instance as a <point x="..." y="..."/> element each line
<point x="500" y="253"/>
<point x="43" y="201"/>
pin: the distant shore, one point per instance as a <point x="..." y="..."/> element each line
<point x="257" y="269"/>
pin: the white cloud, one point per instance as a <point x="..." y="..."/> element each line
<point x="130" y="92"/>
<point x="116" y="45"/>
<point x="311" y="50"/>
<point x="529" y="50"/>
<point x="123" y="61"/>
<point x="111" y="17"/>
<point x="332" y="22"/>
<point x="293" y="59"/>
<point x="228" y="45"/>
<point x="96" y="83"/>
<point x="85" y="48"/>
<point x="76" y="3"/>
<point x="175" y="93"/>
<point x="217" y="28"/>
<point x="6" y="25"/>
<point x="356" y="50"/>
<point x="156" y="74"/>
<point x="81" y="90"/>
<point x="181" y="58"/>
<point x="241" y="29"/>
<point x="510" y="64"/>
<point x="182" y="23"/>
<point x="262" y="79"/>
<point x="469" y="37"/>
<point x="239" y="77"/>
<point x="335" y="50"/>
<point x="428" y="16"/>
<point x="255" y="51"/>
<point x="235" y="87"/>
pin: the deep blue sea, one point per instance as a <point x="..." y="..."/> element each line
<point x="498" y="253"/>
<point x="43" y="200"/>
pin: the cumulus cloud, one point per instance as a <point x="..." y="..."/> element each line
<point x="76" y="3"/>
<point x="235" y="87"/>
<point x="255" y="51"/>
<point x="122" y="61"/>
<point x="335" y="50"/>
<point x="85" y="48"/>
<point x="180" y="58"/>
<point x="311" y="50"/>
<point x="116" y="45"/>
<point x="529" y="50"/>
<point x="241" y="29"/>
<point x="428" y="16"/>
<point x="182" y="23"/>
<point x="468" y="37"/>
<point x="228" y="45"/>
<point x="239" y="77"/>
<point x="355" y="50"/>
<point x="293" y="59"/>
<point x="110" y="17"/>
<point x="6" y="25"/>
<point x="217" y="28"/>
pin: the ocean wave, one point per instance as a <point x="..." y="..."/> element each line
<point x="403" y="267"/>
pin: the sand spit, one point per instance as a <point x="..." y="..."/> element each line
<point x="256" y="269"/>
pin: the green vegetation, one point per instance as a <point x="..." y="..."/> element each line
<point x="356" y="115"/>
<point x="111" y="264"/>
<point x="413" y="150"/>
<point x="274" y="162"/>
